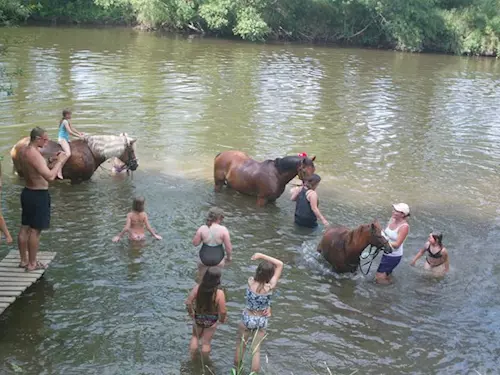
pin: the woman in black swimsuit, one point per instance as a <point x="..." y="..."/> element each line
<point x="216" y="241"/>
<point x="436" y="258"/>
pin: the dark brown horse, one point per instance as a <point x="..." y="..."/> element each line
<point x="342" y="247"/>
<point x="266" y="180"/>
<point x="86" y="154"/>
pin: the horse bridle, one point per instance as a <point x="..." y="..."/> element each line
<point x="131" y="163"/>
<point x="372" y="253"/>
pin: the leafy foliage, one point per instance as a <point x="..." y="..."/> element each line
<point x="451" y="26"/>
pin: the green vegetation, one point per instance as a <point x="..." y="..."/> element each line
<point x="450" y="26"/>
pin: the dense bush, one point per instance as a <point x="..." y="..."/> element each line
<point x="451" y="26"/>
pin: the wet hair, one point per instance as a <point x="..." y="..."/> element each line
<point x="36" y="132"/>
<point x="312" y="181"/>
<point x="214" y="214"/>
<point x="264" y="274"/>
<point x="207" y="291"/>
<point x="66" y="111"/>
<point x="438" y="237"/>
<point x="138" y="204"/>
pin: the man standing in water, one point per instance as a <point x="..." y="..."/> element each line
<point x="35" y="198"/>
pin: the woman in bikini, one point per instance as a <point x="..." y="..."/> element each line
<point x="437" y="259"/>
<point x="206" y="305"/>
<point x="216" y="242"/>
<point x="256" y="315"/>
<point x="65" y="129"/>
<point x="396" y="232"/>
<point x="137" y="220"/>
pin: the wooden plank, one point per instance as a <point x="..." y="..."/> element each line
<point x="24" y="284"/>
<point x="13" y="288"/>
<point x="20" y="270"/>
<point x="17" y="278"/>
<point x="11" y="275"/>
<point x="41" y="254"/>
<point x="7" y="299"/>
<point x="10" y="293"/>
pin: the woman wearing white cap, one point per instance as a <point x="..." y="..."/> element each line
<point x="396" y="232"/>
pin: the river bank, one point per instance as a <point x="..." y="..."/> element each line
<point x="462" y="27"/>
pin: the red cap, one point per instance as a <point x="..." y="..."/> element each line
<point x="303" y="155"/>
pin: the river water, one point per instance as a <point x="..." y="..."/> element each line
<point x="385" y="127"/>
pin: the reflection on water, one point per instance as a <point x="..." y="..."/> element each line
<point x="385" y="127"/>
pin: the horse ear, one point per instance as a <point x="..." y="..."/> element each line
<point x="132" y="141"/>
<point x="313" y="158"/>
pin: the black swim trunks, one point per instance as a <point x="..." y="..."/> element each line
<point x="36" y="208"/>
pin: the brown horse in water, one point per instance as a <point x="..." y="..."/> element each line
<point x="87" y="154"/>
<point x="342" y="247"/>
<point x="266" y="180"/>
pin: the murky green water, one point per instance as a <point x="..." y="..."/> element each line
<point x="386" y="127"/>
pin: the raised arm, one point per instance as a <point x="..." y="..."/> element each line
<point x="313" y="199"/>
<point x="190" y="299"/>
<point x="40" y="165"/>
<point x="148" y="227"/>
<point x="125" y="229"/>
<point x="278" y="264"/>
<point x="419" y="254"/>
<point x="197" y="237"/>
<point x="228" y="246"/>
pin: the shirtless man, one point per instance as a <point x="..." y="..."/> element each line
<point x="35" y="198"/>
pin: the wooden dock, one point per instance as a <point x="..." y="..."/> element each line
<point x="14" y="280"/>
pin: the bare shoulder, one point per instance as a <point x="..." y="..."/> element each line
<point x="220" y="294"/>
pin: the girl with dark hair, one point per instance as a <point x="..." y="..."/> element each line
<point x="206" y="305"/>
<point x="307" y="212"/>
<point x="436" y="258"/>
<point x="137" y="219"/>
<point x="215" y="239"/>
<point x="258" y="307"/>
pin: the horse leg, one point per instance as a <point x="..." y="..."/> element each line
<point x="219" y="179"/>
<point x="261" y="201"/>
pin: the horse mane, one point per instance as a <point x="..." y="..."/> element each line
<point x="287" y="164"/>
<point x="344" y="241"/>
<point x="107" y="146"/>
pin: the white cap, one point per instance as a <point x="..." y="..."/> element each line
<point x="402" y="207"/>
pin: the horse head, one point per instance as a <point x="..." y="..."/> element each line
<point x="300" y="165"/>
<point x="128" y="156"/>
<point x="306" y="167"/>
<point x="377" y="239"/>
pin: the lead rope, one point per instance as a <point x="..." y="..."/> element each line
<point x="370" y="253"/>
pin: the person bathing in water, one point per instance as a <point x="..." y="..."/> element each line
<point x="256" y="315"/>
<point x="206" y="305"/>
<point x="396" y="232"/>
<point x="436" y="259"/>
<point x="137" y="219"/>
<point x="215" y="238"/>
<point x="307" y="212"/>
<point x="65" y="129"/>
